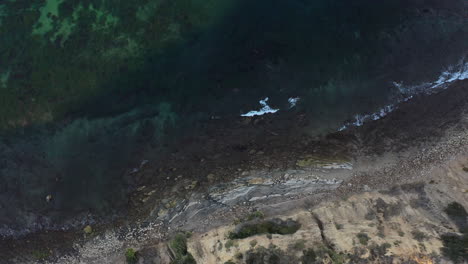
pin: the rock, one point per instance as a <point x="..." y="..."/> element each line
<point x="255" y="181"/>
<point x="49" y="198"/>
<point x="88" y="230"/>
<point x="211" y="177"/>
<point x="150" y="193"/>
<point x="191" y="186"/>
<point x="162" y="213"/>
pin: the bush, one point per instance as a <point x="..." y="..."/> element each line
<point x="40" y="254"/>
<point x="418" y="235"/>
<point x="363" y="238"/>
<point x="253" y="243"/>
<point x="338" y="226"/>
<point x="131" y="256"/>
<point x="274" y="226"/>
<point x="255" y="215"/>
<point x="178" y="246"/>
<point x="457" y="213"/>
<point x="455" y="247"/>
<point x="299" y="245"/>
<point x="309" y="257"/>
<point x="229" y="244"/>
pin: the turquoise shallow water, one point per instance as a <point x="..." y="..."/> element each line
<point x="80" y="76"/>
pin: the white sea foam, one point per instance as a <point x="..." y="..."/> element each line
<point x="452" y="74"/>
<point x="266" y="109"/>
<point x="293" y="101"/>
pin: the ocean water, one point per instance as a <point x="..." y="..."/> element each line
<point x="77" y="76"/>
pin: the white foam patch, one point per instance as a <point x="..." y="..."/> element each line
<point x="460" y="72"/>
<point x="452" y="74"/>
<point x="266" y="109"/>
<point x="293" y="101"/>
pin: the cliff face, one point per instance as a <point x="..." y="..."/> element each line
<point x="406" y="224"/>
<point x="421" y="221"/>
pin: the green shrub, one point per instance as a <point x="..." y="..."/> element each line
<point x="40" y="254"/>
<point x="458" y="214"/>
<point x="363" y="238"/>
<point x="309" y="257"/>
<point x="253" y="243"/>
<point x="455" y="209"/>
<point x="418" y="235"/>
<point x="274" y="226"/>
<point x="299" y="245"/>
<point x="256" y="215"/>
<point x="131" y="256"/>
<point x="229" y="244"/>
<point x="178" y="246"/>
<point x="455" y="247"/>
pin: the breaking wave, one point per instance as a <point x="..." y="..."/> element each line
<point x="453" y="73"/>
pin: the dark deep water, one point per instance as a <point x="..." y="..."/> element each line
<point x="79" y="110"/>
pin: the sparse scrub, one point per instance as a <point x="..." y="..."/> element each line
<point x="256" y="215"/>
<point x="379" y="250"/>
<point x="229" y="244"/>
<point x="299" y="245"/>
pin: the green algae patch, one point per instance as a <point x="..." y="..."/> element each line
<point x="273" y="226"/>
<point x="4" y="79"/>
<point x="62" y="26"/>
<point x="49" y="12"/>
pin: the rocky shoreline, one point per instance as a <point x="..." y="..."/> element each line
<point x="372" y="183"/>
